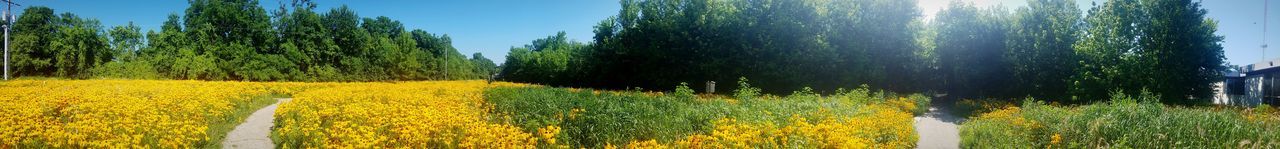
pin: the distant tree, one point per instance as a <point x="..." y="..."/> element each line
<point x="79" y="46"/>
<point x="1040" y="47"/>
<point x="32" y="34"/>
<point x="1107" y="50"/>
<point x="126" y="41"/>
<point x="483" y="66"/>
<point x="970" y="45"/>
<point x="1180" y="40"/>
<point x="62" y="45"/>
<point x="545" y="60"/>
<point x="1135" y="45"/>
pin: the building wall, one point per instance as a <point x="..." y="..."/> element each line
<point x="1253" y="85"/>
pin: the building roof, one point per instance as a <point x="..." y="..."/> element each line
<point x="1259" y="67"/>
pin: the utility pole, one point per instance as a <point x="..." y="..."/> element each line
<point x="446" y="67"/>
<point x="1264" y="29"/>
<point x="9" y="19"/>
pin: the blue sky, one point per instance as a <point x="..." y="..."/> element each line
<point x="491" y="27"/>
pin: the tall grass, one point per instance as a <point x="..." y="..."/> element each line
<point x="1123" y="122"/>
<point x="588" y="118"/>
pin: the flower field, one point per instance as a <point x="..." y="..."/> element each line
<point x="617" y="119"/>
<point x="443" y="114"/>
<point x="123" y="114"/>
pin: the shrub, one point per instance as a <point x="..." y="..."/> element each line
<point x="973" y="107"/>
<point x="125" y="70"/>
<point x="745" y="91"/>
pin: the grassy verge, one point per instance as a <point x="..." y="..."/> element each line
<point x="973" y="107"/>
<point x="591" y="119"/>
<point x="1124" y="122"/>
<point x="218" y="128"/>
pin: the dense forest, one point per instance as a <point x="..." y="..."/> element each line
<point x="239" y="40"/>
<point x="1048" y="49"/>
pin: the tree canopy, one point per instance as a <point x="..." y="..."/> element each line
<point x="1047" y="49"/>
<point x="239" y="40"/>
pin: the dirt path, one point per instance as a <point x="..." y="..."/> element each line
<point x="938" y="129"/>
<point x="255" y="132"/>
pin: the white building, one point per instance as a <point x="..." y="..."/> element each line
<point x="1258" y="83"/>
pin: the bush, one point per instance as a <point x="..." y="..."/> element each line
<point x="125" y="70"/>
<point x="972" y="107"/>
<point x="745" y="91"/>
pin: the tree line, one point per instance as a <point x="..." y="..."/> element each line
<point x="1048" y="49"/>
<point x="239" y="40"/>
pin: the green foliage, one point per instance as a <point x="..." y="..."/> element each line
<point x="554" y="59"/>
<point x="1135" y="44"/>
<point x="1045" y="50"/>
<point x="1040" y="47"/>
<point x="970" y="45"/>
<point x="239" y="40"/>
<point x="609" y="118"/>
<point x="126" y="70"/>
<point x="57" y="45"/>
<point x="788" y="45"/>
<point x="1125" y="122"/>
<point x="483" y="66"/>
<point x="684" y="92"/>
<point x="126" y="41"/>
<point x="974" y="107"/>
<point x="592" y="119"/>
<point x="745" y="91"/>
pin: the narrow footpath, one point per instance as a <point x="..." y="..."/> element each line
<point x="255" y="132"/>
<point x="938" y="129"/>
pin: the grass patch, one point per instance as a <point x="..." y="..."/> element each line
<point x="591" y="119"/>
<point x="972" y="107"/>
<point x="218" y="128"/>
<point x="1123" y="122"/>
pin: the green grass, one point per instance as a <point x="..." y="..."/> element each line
<point x="618" y="117"/>
<point x="218" y="128"/>
<point x="1125" y="122"/>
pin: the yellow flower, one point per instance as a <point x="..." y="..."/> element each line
<point x="1057" y="138"/>
<point x="549" y="133"/>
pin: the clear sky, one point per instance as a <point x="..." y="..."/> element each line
<point x="491" y="27"/>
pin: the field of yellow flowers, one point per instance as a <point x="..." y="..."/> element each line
<point x="439" y="114"/>
<point x="123" y="113"/>
<point x="579" y="118"/>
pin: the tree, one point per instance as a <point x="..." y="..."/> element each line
<point x="78" y="46"/>
<point x="235" y="32"/>
<point x="544" y="60"/>
<point x="126" y="41"/>
<point x="970" y="45"/>
<point x="484" y="66"/>
<point x="1107" y="50"/>
<point x="32" y="34"/>
<point x="1134" y="45"/>
<point x="1040" y="47"/>
<point x="1180" y="40"/>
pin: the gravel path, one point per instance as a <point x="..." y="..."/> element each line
<point x="255" y="132"/>
<point x="938" y="129"/>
